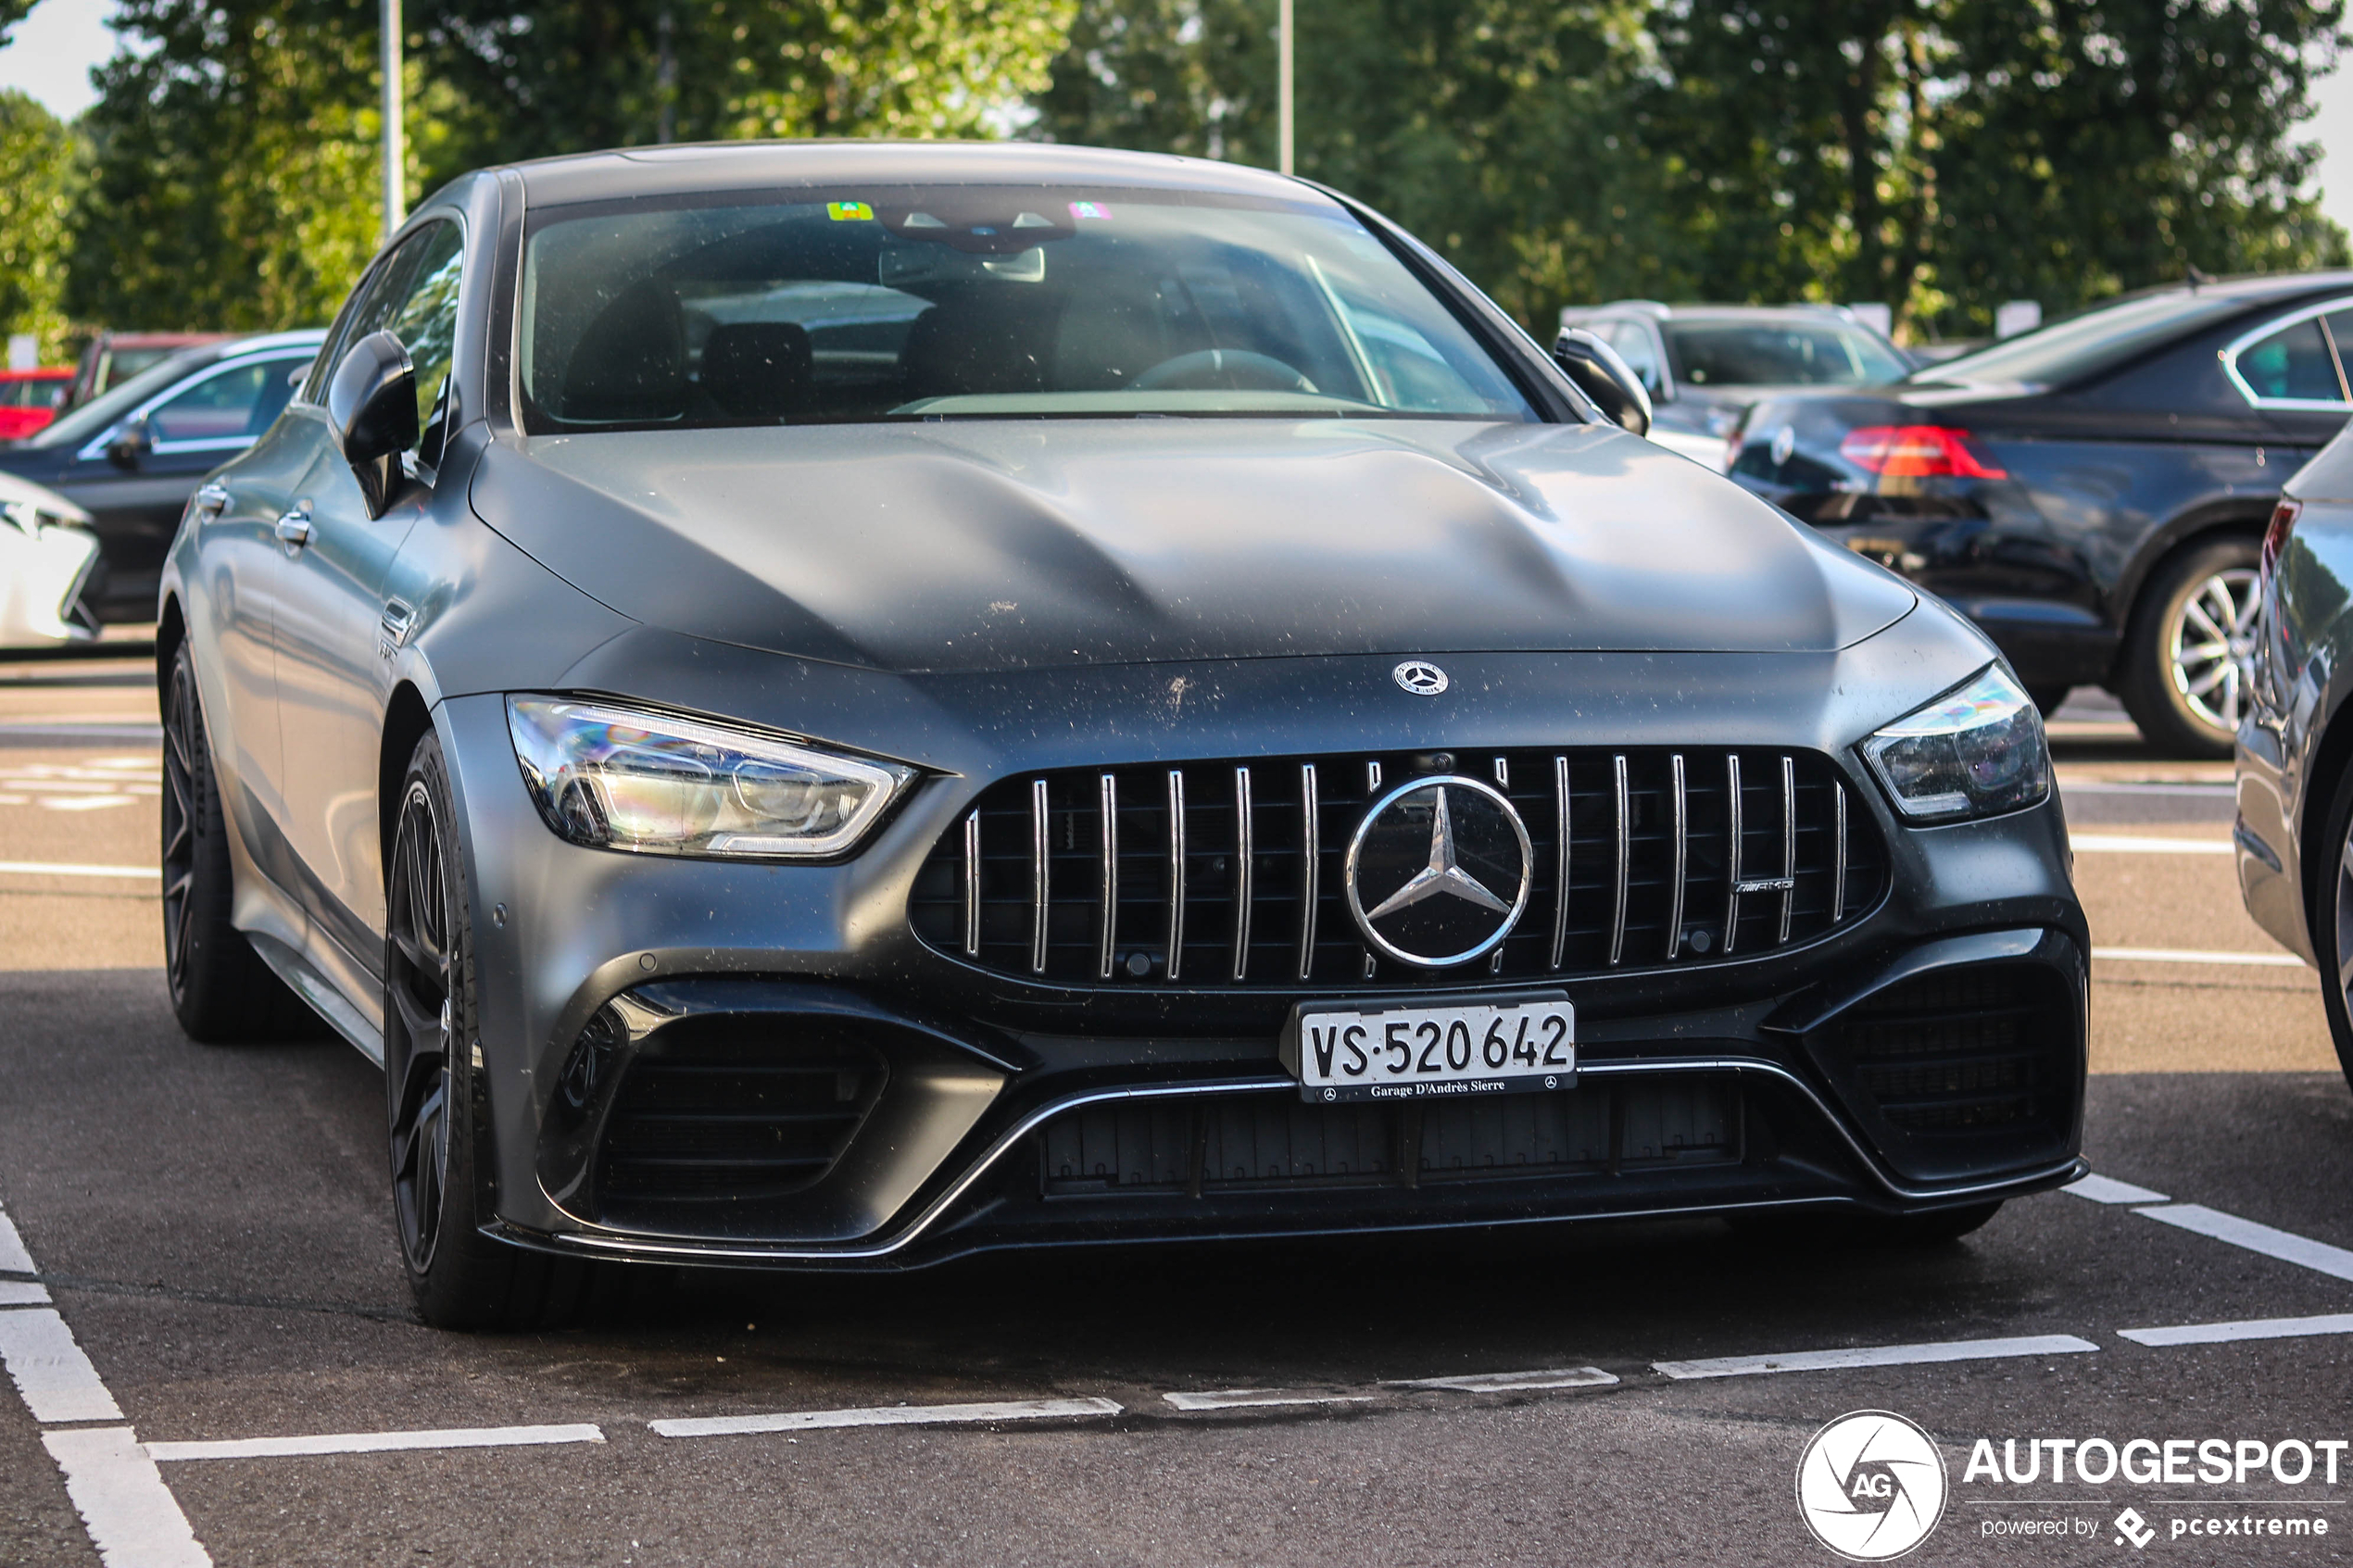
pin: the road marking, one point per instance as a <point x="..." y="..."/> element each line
<point x="2122" y="843"/>
<point x="14" y="1259"/>
<point x="130" y="1514"/>
<point x="882" y="1415"/>
<point x="2107" y="1190"/>
<point x="375" y="1442"/>
<point x="1877" y="1355"/>
<point x="55" y="1378"/>
<point x="2252" y="1328"/>
<point x="1503" y="1382"/>
<point x="23" y="1293"/>
<point x="1255" y="1399"/>
<point x="2335" y="1262"/>
<point x="2184" y="955"/>
<point x="55" y="868"/>
<point x="2106" y="786"/>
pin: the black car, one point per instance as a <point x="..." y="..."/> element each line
<point x="2093" y="493"/>
<point x="2295" y="832"/>
<point x="836" y="704"/>
<point x="1703" y="365"/>
<point x="133" y="456"/>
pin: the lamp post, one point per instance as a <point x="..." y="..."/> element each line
<point x="1282" y="87"/>
<point x="395" y="150"/>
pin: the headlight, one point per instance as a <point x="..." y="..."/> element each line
<point x="615" y="779"/>
<point x="1976" y="752"/>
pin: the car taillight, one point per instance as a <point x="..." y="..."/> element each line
<point x="2275" y="536"/>
<point x="1917" y="452"/>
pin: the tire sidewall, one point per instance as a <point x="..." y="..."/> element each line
<point x="2320" y="921"/>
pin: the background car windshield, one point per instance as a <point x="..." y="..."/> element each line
<point x="78" y="425"/>
<point x="1777" y="354"/>
<point x="986" y="301"/>
<point x="2085" y="344"/>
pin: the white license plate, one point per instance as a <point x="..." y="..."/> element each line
<point x="1432" y="1049"/>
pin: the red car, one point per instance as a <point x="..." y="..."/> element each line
<point x="30" y="399"/>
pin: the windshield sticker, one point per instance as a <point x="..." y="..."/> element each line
<point x="850" y="212"/>
<point x="1089" y="209"/>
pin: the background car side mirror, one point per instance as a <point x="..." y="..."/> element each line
<point x="130" y="443"/>
<point x="372" y="408"/>
<point x="1601" y="375"/>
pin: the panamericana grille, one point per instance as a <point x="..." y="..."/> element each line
<point x="1962" y="1052"/>
<point x="1229" y="873"/>
<point x="1260" y="1141"/>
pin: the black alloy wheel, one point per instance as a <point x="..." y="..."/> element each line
<point x="221" y="989"/>
<point x="2188" y="655"/>
<point x="461" y="1278"/>
<point x="2330" y="920"/>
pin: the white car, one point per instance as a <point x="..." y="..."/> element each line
<point x="47" y="552"/>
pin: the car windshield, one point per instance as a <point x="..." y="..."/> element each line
<point x="983" y="301"/>
<point x="2084" y="344"/>
<point x="78" y="425"/>
<point x="1778" y="354"/>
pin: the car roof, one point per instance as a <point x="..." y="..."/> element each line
<point x="1662" y="312"/>
<point x="730" y="166"/>
<point x="305" y="337"/>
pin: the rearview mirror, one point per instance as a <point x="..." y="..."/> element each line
<point x="132" y="442"/>
<point x="1601" y="375"/>
<point x="372" y="408"/>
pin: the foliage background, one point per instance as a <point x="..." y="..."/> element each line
<point x="1937" y="156"/>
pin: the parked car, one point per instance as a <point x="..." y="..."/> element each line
<point x="132" y="458"/>
<point x="2294" y="833"/>
<point x="2093" y="493"/>
<point x="111" y="359"/>
<point x="30" y="399"/>
<point x="834" y="705"/>
<point x="47" y="553"/>
<point x="1703" y="365"/>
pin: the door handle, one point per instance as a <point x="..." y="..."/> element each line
<point x="294" y="530"/>
<point x="212" y="500"/>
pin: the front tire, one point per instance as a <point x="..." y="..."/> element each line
<point x="461" y="1278"/>
<point x="2189" y="652"/>
<point x="221" y="989"/>
<point x="2331" y="923"/>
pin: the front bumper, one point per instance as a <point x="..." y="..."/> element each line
<point x="917" y="1108"/>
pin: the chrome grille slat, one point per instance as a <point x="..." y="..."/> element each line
<point x="1245" y="857"/>
<point x="1041" y="865"/>
<point x="1109" y="942"/>
<point x="1075" y="878"/>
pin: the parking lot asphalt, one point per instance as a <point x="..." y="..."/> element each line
<point x="208" y="1227"/>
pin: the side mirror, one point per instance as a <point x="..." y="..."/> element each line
<point x="1601" y="375"/>
<point x="372" y="408"/>
<point x="130" y="443"/>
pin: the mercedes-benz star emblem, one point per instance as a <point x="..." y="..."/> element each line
<point x="1437" y="872"/>
<point x="1419" y="677"/>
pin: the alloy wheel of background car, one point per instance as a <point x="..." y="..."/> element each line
<point x="461" y="1278"/>
<point x="2189" y="653"/>
<point x="221" y="989"/>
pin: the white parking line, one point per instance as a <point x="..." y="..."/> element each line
<point x="2110" y="786"/>
<point x="882" y="1415"/>
<point x="2107" y="1190"/>
<point x="57" y="868"/>
<point x="1877" y="1355"/>
<point x="2335" y="1262"/>
<point x="1504" y="1382"/>
<point x="2252" y="1328"/>
<point x="2129" y="844"/>
<point x="23" y="1293"/>
<point x="2184" y="955"/>
<point x="1256" y="1399"/>
<point x="130" y="1514"/>
<point x="55" y="1378"/>
<point x="375" y="1442"/>
<point x="14" y="1259"/>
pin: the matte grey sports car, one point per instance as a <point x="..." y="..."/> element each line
<point x="842" y="705"/>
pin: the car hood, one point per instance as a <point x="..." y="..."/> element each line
<point x="1023" y="543"/>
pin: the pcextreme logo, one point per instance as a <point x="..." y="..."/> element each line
<point x="1871" y="1486"/>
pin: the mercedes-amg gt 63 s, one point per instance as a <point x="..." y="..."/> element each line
<point x="841" y="705"/>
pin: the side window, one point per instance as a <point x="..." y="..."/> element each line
<point x="413" y="294"/>
<point x="1634" y="345"/>
<point x="218" y="408"/>
<point x="2293" y="362"/>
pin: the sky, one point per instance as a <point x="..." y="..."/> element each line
<point x="53" y="49"/>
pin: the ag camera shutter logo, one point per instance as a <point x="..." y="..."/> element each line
<point x="1871" y="1486"/>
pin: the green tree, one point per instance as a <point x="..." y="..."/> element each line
<point x="36" y="174"/>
